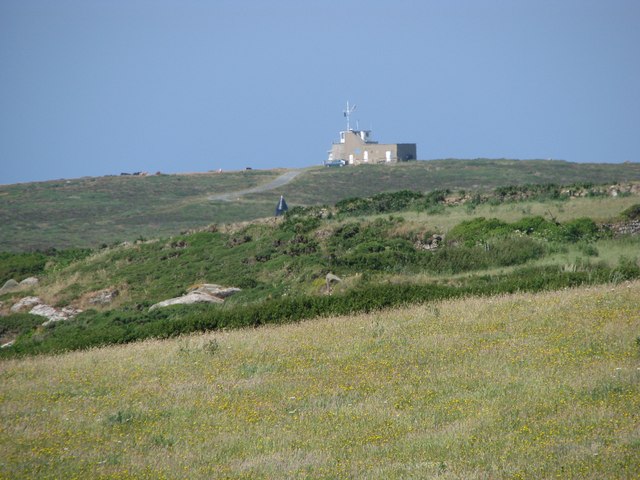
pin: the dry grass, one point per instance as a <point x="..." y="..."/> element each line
<point x="523" y="386"/>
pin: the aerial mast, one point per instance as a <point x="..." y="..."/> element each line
<point x="347" y="113"/>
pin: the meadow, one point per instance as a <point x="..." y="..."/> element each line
<point x="515" y="386"/>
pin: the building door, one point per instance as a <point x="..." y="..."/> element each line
<point x="366" y="155"/>
<point x="388" y="155"/>
<point x="351" y="159"/>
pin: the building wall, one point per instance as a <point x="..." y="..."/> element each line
<point x="355" y="151"/>
<point x="407" y="151"/>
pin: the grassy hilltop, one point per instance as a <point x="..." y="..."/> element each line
<point x="88" y="212"/>
<point x="521" y="386"/>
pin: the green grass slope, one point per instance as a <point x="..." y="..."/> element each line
<point x="520" y="386"/>
<point x="88" y="212"/>
<point x="495" y="246"/>
<point x="93" y="211"/>
<point x="329" y="185"/>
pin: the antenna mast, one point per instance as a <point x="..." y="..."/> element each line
<point x="347" y="113"/>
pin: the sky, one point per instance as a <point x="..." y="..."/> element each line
<point x="99" y="87"/>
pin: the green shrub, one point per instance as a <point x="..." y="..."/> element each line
<point x="627" y="268"/>
<point x="515" y="251"/>
<point x="17" y="323"/>
<point x="589" y="250"/>
<point x="538" y="192"/>
<point x="537" y="226"/>
<point x="302" y="219"/>
<point x="20" y="265"/>
<point x="631" y="213"/>
<point x="472" y="232"/>
<point x="580" y="229"/>
<point x="380" y="203"/>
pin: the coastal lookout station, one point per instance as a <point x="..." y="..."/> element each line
<point x="356" y="147"/>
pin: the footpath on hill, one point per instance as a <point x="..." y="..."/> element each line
<point x="278" y="182"/>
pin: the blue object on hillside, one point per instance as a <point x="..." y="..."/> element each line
<point x="282" y="206"/>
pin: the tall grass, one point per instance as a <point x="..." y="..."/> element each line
<point x="521" y="386"/>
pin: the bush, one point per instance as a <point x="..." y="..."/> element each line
<point x="631" y="213"/>
<point x="302" y="220"/>
<point x="627" y="269"/>
<point x="478" y="230"/>
<point x="18" y="323"/>
<point x="381" y="203"/>
<point x="20" y="265"/>
<point x="537" y="226"/>
<point x="515" y="251"/>
<point x="580" y="229"/>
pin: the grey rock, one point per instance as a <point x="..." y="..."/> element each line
<point x="215" y="290"/>
<point x="206" y="292"/>
<point x="9" y="286"/>
<point x="26" y="303"/>
<point x="54" y="314"/>
<point x="331" y="278"/>
<point x="29" y="282"/>
<point x="188" y="299"/>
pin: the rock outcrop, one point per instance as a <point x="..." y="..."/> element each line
<point x="104" y="297"/>
<point x="430" y="244"/>
<point x="25" y="304"/>
<point x="329" y="279"/>
<point x="35" y="306"/>
<point x="29" y="282"/>
<point x="54" y="314"/>
<point x="9" y="286"/>
<point x="204" y="293"/>
<point x="215" y="290"/>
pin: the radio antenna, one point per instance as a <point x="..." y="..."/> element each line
<point x="347" y="113"/>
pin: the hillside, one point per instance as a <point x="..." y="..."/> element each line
<point x="518" y="386"/>
<point x="390" y="249"/>
<point x="89" y="212"/>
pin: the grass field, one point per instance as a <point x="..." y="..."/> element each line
<point x="522" y="386"/>
<point x="91" y="211"/>
<point x="88" y="212"/>
<point x="321" y="185"/>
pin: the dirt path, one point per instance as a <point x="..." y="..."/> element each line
<point x="278" y="182"/>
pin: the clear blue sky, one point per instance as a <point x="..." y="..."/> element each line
<point x="95" y="87"/>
